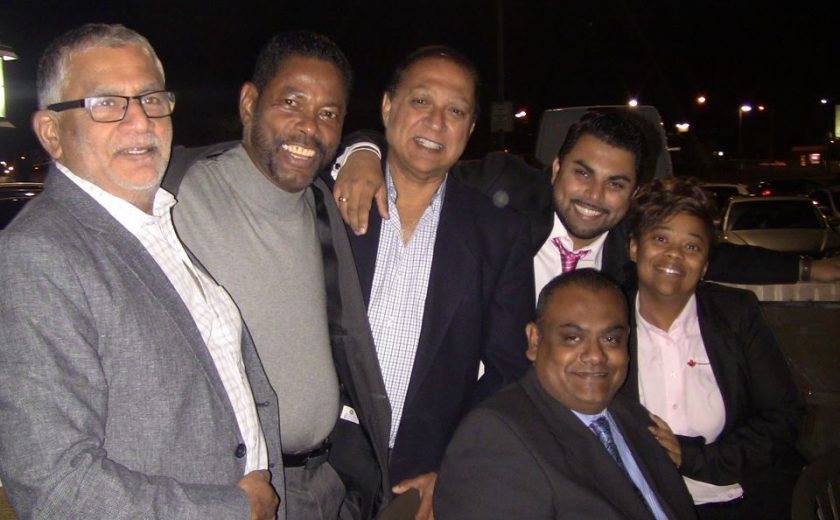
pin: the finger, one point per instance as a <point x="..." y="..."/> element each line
<point x="341" y="203"/>
<point x="424" y="512"/>
<point x="359" y="211"/>
<point x="381" y="197"/>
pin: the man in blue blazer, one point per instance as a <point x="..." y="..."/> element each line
<point x="129" y="387"/>
<point x="448" y="279"/>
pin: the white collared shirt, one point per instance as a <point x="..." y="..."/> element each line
<point x="547" y="262"/>
<point x="676" y="383"/>
<point x="215" y="314"/>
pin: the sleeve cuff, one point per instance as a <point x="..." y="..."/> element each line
<point x="350" y="150"/>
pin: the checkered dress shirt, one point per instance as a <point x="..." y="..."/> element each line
<point x="398" y="296"/>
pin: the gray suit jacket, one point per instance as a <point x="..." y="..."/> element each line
<point x="110" y="404"/>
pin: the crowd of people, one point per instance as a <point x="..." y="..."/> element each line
<point x="292" y="326"/>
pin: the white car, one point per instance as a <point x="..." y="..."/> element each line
<point x="791" y="224"/>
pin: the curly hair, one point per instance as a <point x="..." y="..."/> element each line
<point x="661" y="199"/>
<point x="299" y="43"/>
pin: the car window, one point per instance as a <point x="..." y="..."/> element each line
<point x="774" y="214"/>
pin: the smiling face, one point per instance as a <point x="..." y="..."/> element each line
<point x="579" y="349"/>
<point x="671" y="258"/>
<point x="428" y="119"/>
<point x="592" y="188"/>
<point x="126" y="158"/>
<point x="292" y="128"/>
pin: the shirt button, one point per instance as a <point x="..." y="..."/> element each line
<point x="240" y="451"/>
<point x="674" y="406"/>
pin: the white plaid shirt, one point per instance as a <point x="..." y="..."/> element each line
<point x="215" y="314"/>
<point x="398" y="296"/>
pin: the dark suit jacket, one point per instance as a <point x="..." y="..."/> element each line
<point x="505" y="177"/>
<point x="763" y="406"/>
<point x="480" y="297"/>
<point x="359" y="452"/>
<point x="522" y="454"/>
<point x="111" y="403"/>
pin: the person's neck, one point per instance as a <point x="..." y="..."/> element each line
<point x="660" y="312"/>
<point x="414" y="190"/>
<point x="414" y="194"/>
<point x="582" y="243"/>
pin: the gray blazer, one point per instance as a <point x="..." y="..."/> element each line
<point x="110" y="404"/>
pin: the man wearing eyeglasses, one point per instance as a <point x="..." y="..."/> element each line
<point x="128" y="386"/>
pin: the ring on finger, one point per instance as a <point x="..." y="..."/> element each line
<point x="342" y="199"/>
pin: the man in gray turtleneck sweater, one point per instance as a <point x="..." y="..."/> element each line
<point x="254" y="218"/>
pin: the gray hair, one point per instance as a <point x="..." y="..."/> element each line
<point x="52" y="67"/>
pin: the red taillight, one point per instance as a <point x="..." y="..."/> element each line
<point x="766" y="193"/>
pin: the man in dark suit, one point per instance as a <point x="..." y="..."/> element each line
<point x="581" y="203"/>
<point x="129" y="385"/>
<point x="447" y="280"/>
<point x="560" y="443"/>
<point x="257" y="215"/>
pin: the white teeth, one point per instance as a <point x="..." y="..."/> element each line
<point x="299" y="150"/>
<point x="670" y="270"/>
<point x="587" y="212"/>
<point x="425" y="143"/>
<point x="135" y="151"/>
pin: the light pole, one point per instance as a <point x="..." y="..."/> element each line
<point x="741" y="111"/>
<point x="6" y="54"/>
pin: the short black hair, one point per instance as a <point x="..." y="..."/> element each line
<point x="436" y="51"/>
<point x="586" y="278"/>
<point x="299" y="43"/>
<point x="614" y="128"/>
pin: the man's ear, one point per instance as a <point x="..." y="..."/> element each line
<point x="386" y="109"/>
<point x="45" y="125"/>
<point x="555" y="169"/>
<point x="532" y="332"/>
<point x="249" y="96"/>
<point x="634" y="248"/>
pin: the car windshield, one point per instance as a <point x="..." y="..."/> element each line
<point x="774" y="214"/>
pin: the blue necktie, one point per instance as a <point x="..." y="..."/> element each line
<point x="601" y="428"/>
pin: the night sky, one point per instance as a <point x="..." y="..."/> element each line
<point x="557" y="53"/>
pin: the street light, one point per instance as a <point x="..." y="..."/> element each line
<point x="633" y="102"/>
<point x="701" y="100"/>
<point x="6" y="54"/>
<point x="741" y="111"/>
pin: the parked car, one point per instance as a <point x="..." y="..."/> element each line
<point x="721" y="193"/>
<point x="783" y="223"/>
<point x="15" y="195"/>
<point x="828" y="201"/>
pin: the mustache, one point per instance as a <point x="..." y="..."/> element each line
<point x="309" y="142"/>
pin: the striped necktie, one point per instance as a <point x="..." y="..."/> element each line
<point x="601" y="428"/>
<point x="568" y="258"/>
